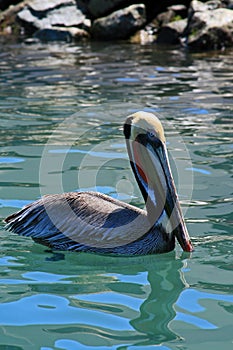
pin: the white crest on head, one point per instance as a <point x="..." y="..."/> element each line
<point x="143" y="122"/>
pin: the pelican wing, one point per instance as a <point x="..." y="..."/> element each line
<point x="80" y="219"/>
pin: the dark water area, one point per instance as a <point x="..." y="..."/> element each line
<point x="61" y="113"/>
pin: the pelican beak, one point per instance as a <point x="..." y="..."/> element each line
<point x="160" y="183"/>
<point x="172" y="205"/>
<point x="182" y="236"/>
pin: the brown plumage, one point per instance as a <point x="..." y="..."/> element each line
<point x="94" y="222"/>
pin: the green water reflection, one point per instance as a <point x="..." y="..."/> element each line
<point x="111" y="300"/>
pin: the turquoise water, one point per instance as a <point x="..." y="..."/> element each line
<point x="61" y="111"/>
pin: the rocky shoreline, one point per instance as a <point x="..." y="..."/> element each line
<point x="198" y="25"/>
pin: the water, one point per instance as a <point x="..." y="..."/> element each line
<point x="61" y="110"/>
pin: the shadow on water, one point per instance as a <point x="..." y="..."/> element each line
<point x="90" y="299"/>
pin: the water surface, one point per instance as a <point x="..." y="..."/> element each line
<point x="61" y="110"/>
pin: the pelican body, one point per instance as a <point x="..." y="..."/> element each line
<point x="94" y="222"/>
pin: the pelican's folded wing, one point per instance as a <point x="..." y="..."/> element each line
<point x="75" y="220"/>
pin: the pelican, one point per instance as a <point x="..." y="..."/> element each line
<point x="95" y="222"/>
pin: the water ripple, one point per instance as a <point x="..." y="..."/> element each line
<point x="86" y="301"/>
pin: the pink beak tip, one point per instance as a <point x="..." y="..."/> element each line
<point x="188" y="247"/>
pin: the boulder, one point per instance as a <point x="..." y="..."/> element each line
<point x="172" y="32"/>
<point x="155" y="7"/>
<point x="60" y="34"/>
<point x="57" y="12"/>
<point x="31" y="22"/>
<point x="179" y="10"/>
<point x="120" y="24"/>
<point x="53" y="34"/>
<point x="51" y="17"/>
<point x="165" y="17"/>
<point x="211" y="29"/>
<point x="43" y="6"/>
<point x="66" y="16"/>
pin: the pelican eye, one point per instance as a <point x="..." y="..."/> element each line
<point x="153" y="138"/>
<point x="151" y="135"/>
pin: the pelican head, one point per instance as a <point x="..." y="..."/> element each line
<point x="148" y="155"/>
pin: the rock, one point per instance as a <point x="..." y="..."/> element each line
<point x="53" y="34"/>
<point x="198" y="6"/>
<point x="101" y="8"/>
<point x="8" y="23"/>
<point x="60" y="34"/>
<point x="171" y="25"/>
<point x="165" y="17"/>
<point x="155" y="7"/>
<point x="45" y="5"/>
<point x="145" y="36"/>
<point x="52" y="18"/>
<point x="78" y="34"/>
<point x="211" y="29"/>
<point x="142" y="37"/>
<point x="172" y="32"/>
<point x="120" y="24"/>
<point x="179" y="9"/>
<point x="38" y="17"/>
<point x="31" y="22"/>
<point x="66" y="16"/>
<point x="172" y="13"/>
<point x="209" y="24"/>
<point x="214" y="4"/>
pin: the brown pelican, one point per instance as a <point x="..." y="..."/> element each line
<point x="94" y="222"/>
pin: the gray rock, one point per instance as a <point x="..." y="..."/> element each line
<point x="165" y="17"/>
<point x="178" y="8"/>
<point x="60" y="34"/>
<point x="211" y="29"/>
<point x="66" y="16"/>
<point x="172" y="32"/>
<point x="120" y="24"/>
<point x="100" y="8"/>
<point x="44" y="6"/>
<point x="198" y="6"/>
<point x="31" y="22"/>
<point x="53" y="34"/>
<point x="214" y="4"/>
<point x="52" y="18"/>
